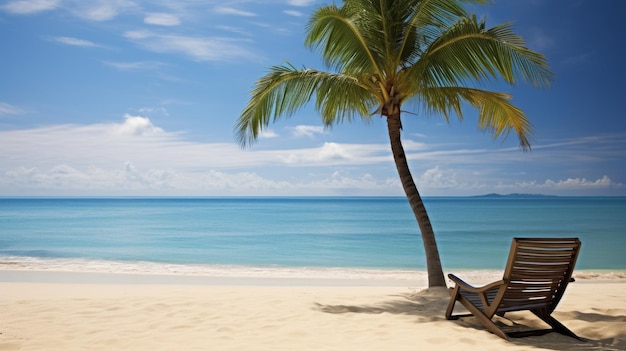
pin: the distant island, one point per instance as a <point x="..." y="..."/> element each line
<point x="514" y="195"/>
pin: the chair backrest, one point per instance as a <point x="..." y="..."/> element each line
<point x="538" y="271"/>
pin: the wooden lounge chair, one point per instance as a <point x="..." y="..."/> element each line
<point x="535" y="278"/>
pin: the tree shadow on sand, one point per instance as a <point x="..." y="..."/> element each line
<point x="429" y="306"/>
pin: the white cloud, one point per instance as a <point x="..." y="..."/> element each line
<point x="64" y="179"/>
<point x="333" y="154"/>
<point x="132" y="180"/>
<point x="107" y="146"/>
<point x="136" y="157"/>
<point x="139" y="140"/>
<point x="162" y="19"/>
<point x="137" y="34"/>
<point x="307" y="131"/>
<point x="293" y="13"/>
<point x="132" y="66"/>
<point x="25" y="7"/>
<point x="7" y="109"/>
<point x="300" y="2"/>
<point x="154" y="110"/>
<point x="410" y="145"/>
<point x="435" y="178"/>
<point x="232" y="11"/>
<point x="235" y="30"/>
<point x="339" y="182"/>
<point x="198" y="48"/>
<point x="75" y="42"/>
<point x="136" y="125"/>
<point x="573" y="183"/>
<point x="333" y="151"/>
<point x="239" y="182"/>
<point x="268" y="134"/>
<point x="563" y="187"/>
<point x="101" y="10"/>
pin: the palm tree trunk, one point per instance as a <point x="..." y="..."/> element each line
<point x="433" y="262"/>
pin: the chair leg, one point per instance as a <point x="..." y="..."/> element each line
<point x="454" y="295"/>
<point x="486" y="321"/>
<point x="555" y="324"/>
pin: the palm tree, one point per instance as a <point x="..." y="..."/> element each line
<point x="383" y="53"/>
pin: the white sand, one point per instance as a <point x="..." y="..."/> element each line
<point x="249" y="315"/>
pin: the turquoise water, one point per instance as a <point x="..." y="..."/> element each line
<point x="371" y="233"/>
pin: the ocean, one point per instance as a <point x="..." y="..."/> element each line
<point x="333" y="235"/>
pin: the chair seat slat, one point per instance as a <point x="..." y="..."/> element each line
<point x="540" y="267"/>
<point x="556" y="251"/>
<point x="542" y="259"/>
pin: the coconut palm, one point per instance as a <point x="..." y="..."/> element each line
<point x="383" y="53"/>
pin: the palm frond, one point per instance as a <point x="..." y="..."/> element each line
<point x="428" y="20"/>
<point x="496" y="114"/>
<point x="336" y="32"/>
<point x="341" y="97"/>
<point x="285" y="89"/>
<point x="469" y="52"/>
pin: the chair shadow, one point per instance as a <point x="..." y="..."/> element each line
<point x="429" y="306"/>
<point x="525" y="322"/>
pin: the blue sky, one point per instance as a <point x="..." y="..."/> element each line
<point x="133" y="97"/>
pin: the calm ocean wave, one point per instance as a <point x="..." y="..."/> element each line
<point x="347" y="237"/>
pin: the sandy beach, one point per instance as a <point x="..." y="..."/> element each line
<point x="61" y="311"/>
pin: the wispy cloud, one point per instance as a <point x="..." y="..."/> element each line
<point x="102" y="10"/>
<point x="138" y="157"/>
<point x="268" y="134"/>
<point x="154" y="110"/>
<point x="307" y="131"/>
<point x="457" y="181"/>
<point x="293" y="13"/>
<point x="331" y="153"/>
<point x="562" y="186"/>
<point x="232" y="11"/>
<point x="75" y="42"/>
<point x="26" y="7"/>
<point x="134" y="66"/>
<point x="198" y="48"/>
<point x="300" y="2"/>
<point x="436" y="178"/>
<point x="581" y="182"/>
<point x="128" y="179"/>
<point x="235" y="30"/>
<point x="8" y="109"/>
<point x="162" y="19"/>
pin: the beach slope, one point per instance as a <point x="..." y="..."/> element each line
<point x="249" y="316"/>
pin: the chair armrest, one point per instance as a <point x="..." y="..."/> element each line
<point x="465" y="286"/>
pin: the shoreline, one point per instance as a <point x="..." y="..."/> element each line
<point x="250" y="276"/>
<point x="122" y="278"/>
<point x="150" y="268"/>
